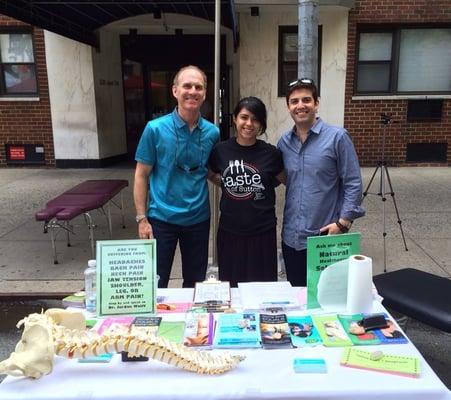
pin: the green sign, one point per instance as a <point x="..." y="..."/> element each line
<point x="323" y="251"/>
<point x="126" y="277"/>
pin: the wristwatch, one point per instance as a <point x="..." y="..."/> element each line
<point x="140" y="217"/>
<point x="343" y="228"/>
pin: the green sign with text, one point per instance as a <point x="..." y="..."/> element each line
<point x="323" y="251"/>
<point x="126" y="277"/>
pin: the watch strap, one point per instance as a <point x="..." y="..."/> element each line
<point x="140" y="217"/>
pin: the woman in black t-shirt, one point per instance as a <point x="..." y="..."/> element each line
<point x="248" y="170"/>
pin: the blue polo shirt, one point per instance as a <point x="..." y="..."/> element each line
<point x="178" y="185"/>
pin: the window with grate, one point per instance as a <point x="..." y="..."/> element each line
<point x="17" y="64"/>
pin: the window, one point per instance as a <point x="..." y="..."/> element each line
<point x="17" y="67"/>
<point x="288" y="57"/>
<point x="403" y="60"/>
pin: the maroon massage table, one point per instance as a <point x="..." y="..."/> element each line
<point x="80" y="200"/>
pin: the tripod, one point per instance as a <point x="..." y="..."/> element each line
<point x="384" y="175"/>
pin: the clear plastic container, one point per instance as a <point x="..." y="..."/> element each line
<point x="90" y="286"/>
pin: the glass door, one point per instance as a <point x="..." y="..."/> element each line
<point x="135" y="103"/>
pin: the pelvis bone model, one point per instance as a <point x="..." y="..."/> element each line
<point x="43" y="338"/>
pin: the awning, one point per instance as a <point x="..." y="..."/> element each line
<point x="79" y="19"/>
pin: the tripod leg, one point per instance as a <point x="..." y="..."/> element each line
<point x="392" y="194"/>
<point x="365" y="192"/>
<point x="384" y="231"/>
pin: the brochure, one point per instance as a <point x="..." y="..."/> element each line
<point x="237" y="330"/>
<point x="199" y="329"/>
<point x="147" y="325"/>
<point x="274" y="331"/>
<point x="331" y="331"/>
<point x="356" y="332"/>
<point x="172" y="331"/>
<point x="388" y="363"/>
<point x="173" y="307"/>
<point x="141" y="326"/>
<point x="113" y="324"/>
<point x="391" y="334"/>
<point x="303" y="331"/>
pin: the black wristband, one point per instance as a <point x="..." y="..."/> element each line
<point x="343" y="229"/>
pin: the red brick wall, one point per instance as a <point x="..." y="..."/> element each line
<point x="28" y="121"/>
<point x="362" y="117"/>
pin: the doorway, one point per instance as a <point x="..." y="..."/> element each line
<point x="149" y="63"/>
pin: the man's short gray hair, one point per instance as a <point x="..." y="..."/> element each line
<point x="176" y="77"/>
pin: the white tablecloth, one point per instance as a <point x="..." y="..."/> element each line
<point x="265" y="374"/>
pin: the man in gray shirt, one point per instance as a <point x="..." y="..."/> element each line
<point x="323" y="181"/>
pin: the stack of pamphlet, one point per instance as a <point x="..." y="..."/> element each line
<point x="199" y="329"/>
<point x="268" y="295"/>
<point x="237" y="330"/>
<point x="275" y="331"/>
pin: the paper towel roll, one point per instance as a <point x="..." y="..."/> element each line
<point x="360" y="285"/>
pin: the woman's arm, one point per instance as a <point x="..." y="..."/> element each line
<point x="214" y="177"/>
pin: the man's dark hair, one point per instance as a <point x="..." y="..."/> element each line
<point x="256" y="107"/>
<point x="302" y="83"/>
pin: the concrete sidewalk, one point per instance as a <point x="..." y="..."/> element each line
<point x="423" y="196"/>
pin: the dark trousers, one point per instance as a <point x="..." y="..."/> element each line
<point x="247" y="258"/>
<point x="295" y="265"/>
<point x="193" y="241"/>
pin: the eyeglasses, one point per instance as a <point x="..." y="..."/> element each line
<point x="183" y="168"/>
<point x="301" y="81"/>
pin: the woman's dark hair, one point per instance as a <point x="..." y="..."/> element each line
<point x="256" y="107"/>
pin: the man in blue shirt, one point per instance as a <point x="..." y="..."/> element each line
<point x="173" y="152"/>
<point x="323" y="181"/>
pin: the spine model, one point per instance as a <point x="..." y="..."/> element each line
<point x="42" y="339"/>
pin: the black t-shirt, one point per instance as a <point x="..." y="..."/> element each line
<point x="248" y="179"/>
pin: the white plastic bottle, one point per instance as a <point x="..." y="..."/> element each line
<point x="90" y="286"/>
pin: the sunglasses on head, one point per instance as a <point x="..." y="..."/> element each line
<point x="301" y="81"/>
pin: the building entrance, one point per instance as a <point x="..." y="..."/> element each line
<point x="149" y="63"/>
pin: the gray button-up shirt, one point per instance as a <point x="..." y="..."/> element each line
<point x="323" y="182"/>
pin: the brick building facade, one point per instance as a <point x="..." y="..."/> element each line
<point x="363" y="115"/>
<point x="22" y="120"/>
<point x="411" y="139"/>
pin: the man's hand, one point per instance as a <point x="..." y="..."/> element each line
<point x="331" y="229"/>
<point x="145" y="229"/>
<point x="334" y="229"/>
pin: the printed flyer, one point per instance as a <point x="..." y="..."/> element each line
<point x="126" y="277"/>
<point x="323" y="251"/>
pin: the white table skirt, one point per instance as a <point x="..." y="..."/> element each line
<point x="265" y="374"/>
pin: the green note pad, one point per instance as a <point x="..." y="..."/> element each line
<point x="389" y="363"/>
<point x="172" y="331"/>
